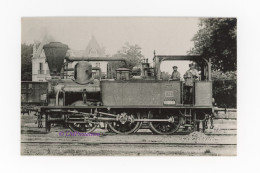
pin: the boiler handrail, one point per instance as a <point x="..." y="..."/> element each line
<point x="94" y="59"/>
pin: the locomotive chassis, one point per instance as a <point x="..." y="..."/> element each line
<point x="186" y="115"/>
<point x="159" y="104"/>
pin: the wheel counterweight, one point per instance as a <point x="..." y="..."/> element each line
<point x="164" y="128"/>
<point x="83" y="126"/>
<point x="124" y="125"/>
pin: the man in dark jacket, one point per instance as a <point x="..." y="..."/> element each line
<point x="175" y="74"/>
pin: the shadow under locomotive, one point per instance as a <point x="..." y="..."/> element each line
<point x="123" y="103"/>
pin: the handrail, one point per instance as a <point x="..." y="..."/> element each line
<point x="94" y="59"/>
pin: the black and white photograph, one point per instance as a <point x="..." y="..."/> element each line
<point x="128" y="86"/>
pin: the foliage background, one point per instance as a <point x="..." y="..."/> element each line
<point x="132" y="54"/>
<point x="26" y="62"/>
<point x="225" y="89"/>
<point x="217" y="39"/>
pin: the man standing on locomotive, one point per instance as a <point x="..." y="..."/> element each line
<point x="175" y="74"/>
<point x="190" y="76"/>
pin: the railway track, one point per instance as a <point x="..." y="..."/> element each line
<point x="221" y="134"/>
<point x="176" y="134"/>
<point x="76" y="148"/>
<point x="131" y="143"/>
<point x="218" y="141"/>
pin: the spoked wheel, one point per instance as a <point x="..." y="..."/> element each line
<point x="87" y="127"/>
<point x="83" y="127"/>
<point x="164" y="128"/>
<point x="125" y="127"/>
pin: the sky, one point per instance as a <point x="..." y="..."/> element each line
<point x="165" y="35"/>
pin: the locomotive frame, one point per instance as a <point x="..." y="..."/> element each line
<point x="125" y="106"/>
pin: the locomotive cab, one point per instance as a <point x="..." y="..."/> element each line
<point x="201" y="89"/>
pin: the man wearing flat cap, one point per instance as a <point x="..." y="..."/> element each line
<point x="175" y="74"/>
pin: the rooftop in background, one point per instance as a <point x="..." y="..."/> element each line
<point x="93" y="49"/>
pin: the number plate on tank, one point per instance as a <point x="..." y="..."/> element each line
<point x="169" y="102"/>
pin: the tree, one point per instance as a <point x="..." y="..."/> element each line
<point x="26" y="61"/>
<point x="225" y="88"/>
<point x="220" y="76"/>
<point x="132" y="54"/>
<point x="217" y="39"/>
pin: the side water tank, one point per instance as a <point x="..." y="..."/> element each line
<point x="83" y="72"/>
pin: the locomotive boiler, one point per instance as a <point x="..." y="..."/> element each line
<point x="125" y="103"/>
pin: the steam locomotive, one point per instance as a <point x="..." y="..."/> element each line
<point x="124" y="103"/>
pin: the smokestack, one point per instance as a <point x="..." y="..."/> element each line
<point x="55" y="53"/>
